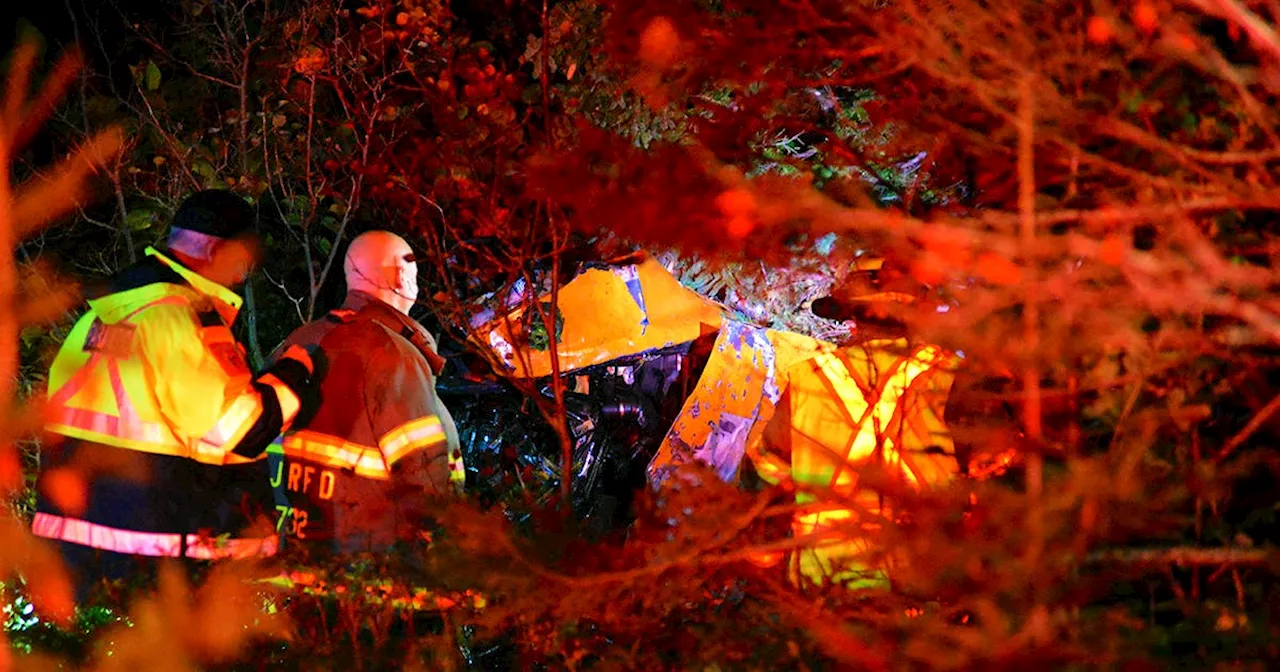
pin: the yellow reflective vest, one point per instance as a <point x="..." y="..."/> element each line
<point x="878" y="404"/>
<point x="819" y="416"/>
<point x="151" y="403"/>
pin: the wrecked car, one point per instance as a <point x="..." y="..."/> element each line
<point x="657" y="375"/>
<point x="629" y="341"/>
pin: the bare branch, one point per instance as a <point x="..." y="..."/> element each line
<point x="1185" y="557"/>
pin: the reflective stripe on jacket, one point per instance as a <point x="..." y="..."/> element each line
<point x="359" y="473"/>
<point x="151" y="397"/>
<point x="151" y="544"/>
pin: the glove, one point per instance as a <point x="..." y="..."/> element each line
<point x="295" y="354"/>
<point x="294" y="383"/>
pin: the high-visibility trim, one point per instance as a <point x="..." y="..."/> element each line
<point x="411" y="437"/>
<point x="331" y="451"/>
<point x="144" y="437"/>
<point x="231" y="428"/>
<point x="151" y="544"/>
<point x="77" y="381"/>
<point x="210" y="548"/>
<point x="123" y="430"/>
<point x="90" y="425"/>
<point x="200" y="283"/>
<point x="457" y="469"/>
<point x="154" y="439"/>
<point x="106" y="538"/>
<point x="289" y="402"/>
<point x="127" y="430"/>
<point x="124" y="406"/>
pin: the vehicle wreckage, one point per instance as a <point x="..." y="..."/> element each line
<point x="657" y="375"/>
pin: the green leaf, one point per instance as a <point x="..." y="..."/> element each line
<point x="153" y="76"/>
<point x="30" y="335"/>
<point x="204" y="169"/>
<point x="140" y="219"/>
<point x="538" y="339"/>
<point x="1133" y="102"/>
<point x="299" y="205"/>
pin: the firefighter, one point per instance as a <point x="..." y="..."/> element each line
<point x="362" y="472"/>
<point x="157" y="427"/>
<point x="874" y="405"/>
<point x="877" y="405"/>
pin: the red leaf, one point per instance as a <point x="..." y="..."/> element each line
<point x="998" y="270"/>
<point x="67" y="490"/>
<point x="52" y="595"/>
<point x="1112" y="250"/>
<point x="10" y="470"/>
<point x="1099" y="31"/>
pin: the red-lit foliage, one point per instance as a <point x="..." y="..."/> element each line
<point x="1084" y="189"/>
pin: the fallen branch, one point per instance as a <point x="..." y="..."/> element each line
<point x="1183" y="556"/>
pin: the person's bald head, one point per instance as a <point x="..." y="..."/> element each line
<point x="382" y="264"/>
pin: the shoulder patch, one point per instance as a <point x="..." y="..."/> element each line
<point x="115" y="340"/>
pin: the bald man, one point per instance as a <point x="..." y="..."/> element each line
<point x="362" y="472"/>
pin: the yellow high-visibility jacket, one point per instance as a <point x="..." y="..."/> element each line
<point x="152" y="405"/>
<point x="879" y="403"/>
<point x="818" y="415"/>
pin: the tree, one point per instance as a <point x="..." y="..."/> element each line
<point x="1079" y="197"/>
<point x="1101" y="247"/>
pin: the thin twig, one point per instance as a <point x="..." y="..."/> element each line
<point x="1252" y="426"/>
<point x="1185" y="556"/>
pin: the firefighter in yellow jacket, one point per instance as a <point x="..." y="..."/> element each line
<point x="363" y="472"/>
<point x="157" y="428"/>
<point x="877" y="405"/>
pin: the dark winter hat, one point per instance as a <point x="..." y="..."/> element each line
<point x="215" y="212"/>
